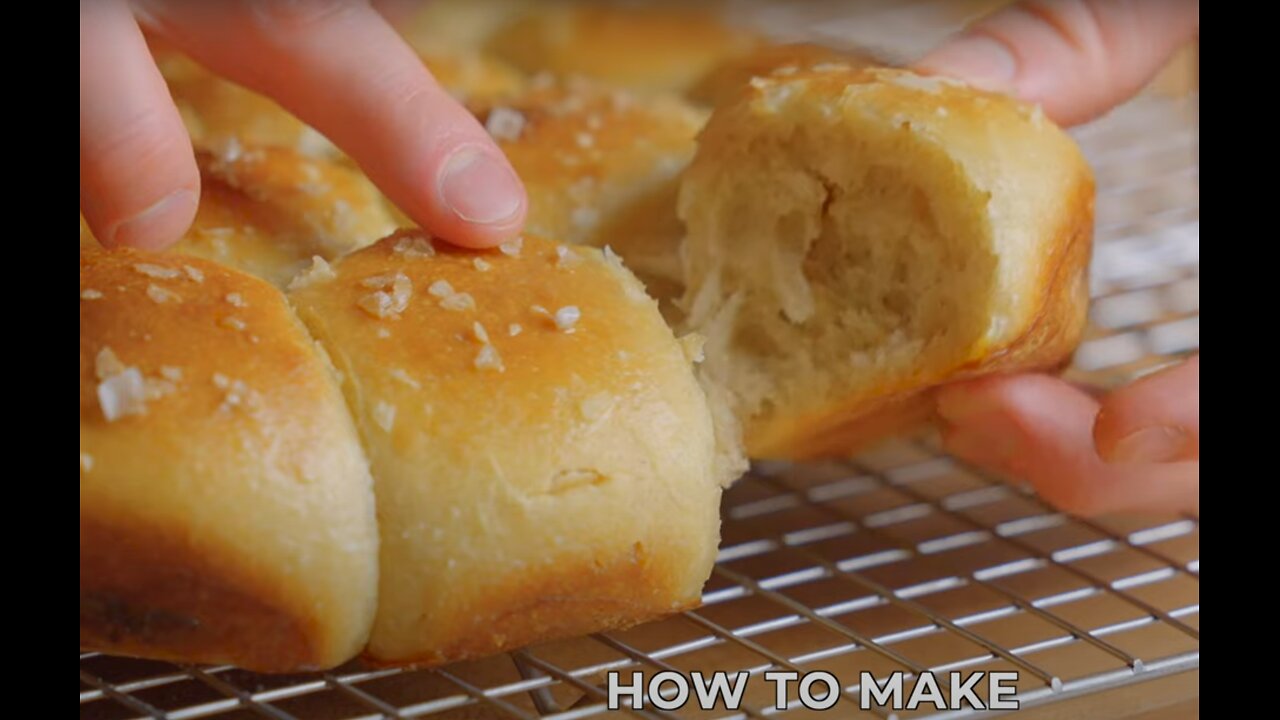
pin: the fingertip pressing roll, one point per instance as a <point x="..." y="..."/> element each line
<point x="858" y="236"/>
<point x="226" y="508"/>
<point x="545" y="462"/>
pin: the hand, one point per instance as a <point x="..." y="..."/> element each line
<point x="1139" y="448"/>
<point x="1076" y="58"/>
<point x="336" y="64"/>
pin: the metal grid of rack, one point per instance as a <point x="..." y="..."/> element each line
<point x="901" y="559"/>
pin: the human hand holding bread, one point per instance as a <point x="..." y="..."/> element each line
<point x="1138" y="447"/>
<point x="542" y="459"/>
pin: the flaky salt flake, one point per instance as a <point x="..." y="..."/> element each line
<point x="384" y="415"/>
<point x="584" y="140"/>
<point x="567" y="317"/>
<point x="512" y="248"/>
<point x="237" y="300"/>
<point x="505" y="123"/>
<point x="384" y="332"/>
<point x="414" y="247"/>
<point x="156" y="388"/>
<point x="86" y="462"/>
<point x="160" y="272"/>
<point x="90" y="294"/>
<point x="514" y="329"/>
<point x="122" y="394"/>
<point x="459" y="301"/>
<point x="403" y="376"/>
<point x="478" y="331"/>
<point x="566" y="257"/>
<point x="194" y="273"/>
<point x="171" y="373"/>
<point x="481" y="264"/>
<point x="318" y="271"/>
<point x="440" y="289"/>
<point x="161" y="295"/>
<point x="233" y="323"/>
<point x="488" y="359"/>
<point x="106" y="364"/>
<point x="387" y="303"/>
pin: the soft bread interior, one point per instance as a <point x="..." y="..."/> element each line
<point x="877" y="259"/>
<point x="856" y="237"/>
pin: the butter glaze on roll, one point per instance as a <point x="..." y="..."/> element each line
<point x="856" y="237"/>
<point x="544" y="461"/>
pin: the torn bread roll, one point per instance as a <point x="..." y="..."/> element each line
<point x="226" y="508"/>
<point x="856" y="237"/>
<point x="544" y="460"/>
<point x="602" y="167"/>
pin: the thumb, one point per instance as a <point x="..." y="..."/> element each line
<point x="1075" y="58"/>
<point x="1152" y="420"/>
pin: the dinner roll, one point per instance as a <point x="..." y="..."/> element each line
<point x="602" y="166"/>
<point x="544" y="461"/>
<point x="217" y="111"/>
<point x="269" y="210"/>
<point x="226" y="508"/>
<point x="856" y="237"/>
<point x="731" y="77"/>
<point x="647" y="47"/>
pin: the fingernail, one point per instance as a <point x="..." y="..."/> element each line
<point x="981" y="61"/>
<point x="479" y="188"/>
<point x="157" y="226"/>
<point x="1150" y="445"/>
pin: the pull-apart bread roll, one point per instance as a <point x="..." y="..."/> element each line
<point x="653" y="47"/>
<point x="856" y="237"/>
<point x="544" y="460"/>
<point x="727" y="80"/>
<point x="602" y="166"/>
<point x="269" y="210"/>
<point x="226" y="508"/>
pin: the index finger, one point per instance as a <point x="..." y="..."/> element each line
<point x="341" y="68"/>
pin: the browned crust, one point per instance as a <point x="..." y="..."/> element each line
<point x="1046" y="344"/>
<point x="563" y="599"/>
<point x="149" y="593"/>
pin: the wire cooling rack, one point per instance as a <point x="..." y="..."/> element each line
<point x="900" y="560"/>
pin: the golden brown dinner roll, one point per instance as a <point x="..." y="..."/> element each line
<point x="457" y="26"/>
<point x="859" y="236"/>
<point x="647" y="47"/>
<point x="269" y="210"/>
<point x="217" y="111"/>
<point x="731" y="77"/>
<point x="544" y="460"/>
<point x="602" y="167"/>
<point x="226" y="509"/>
